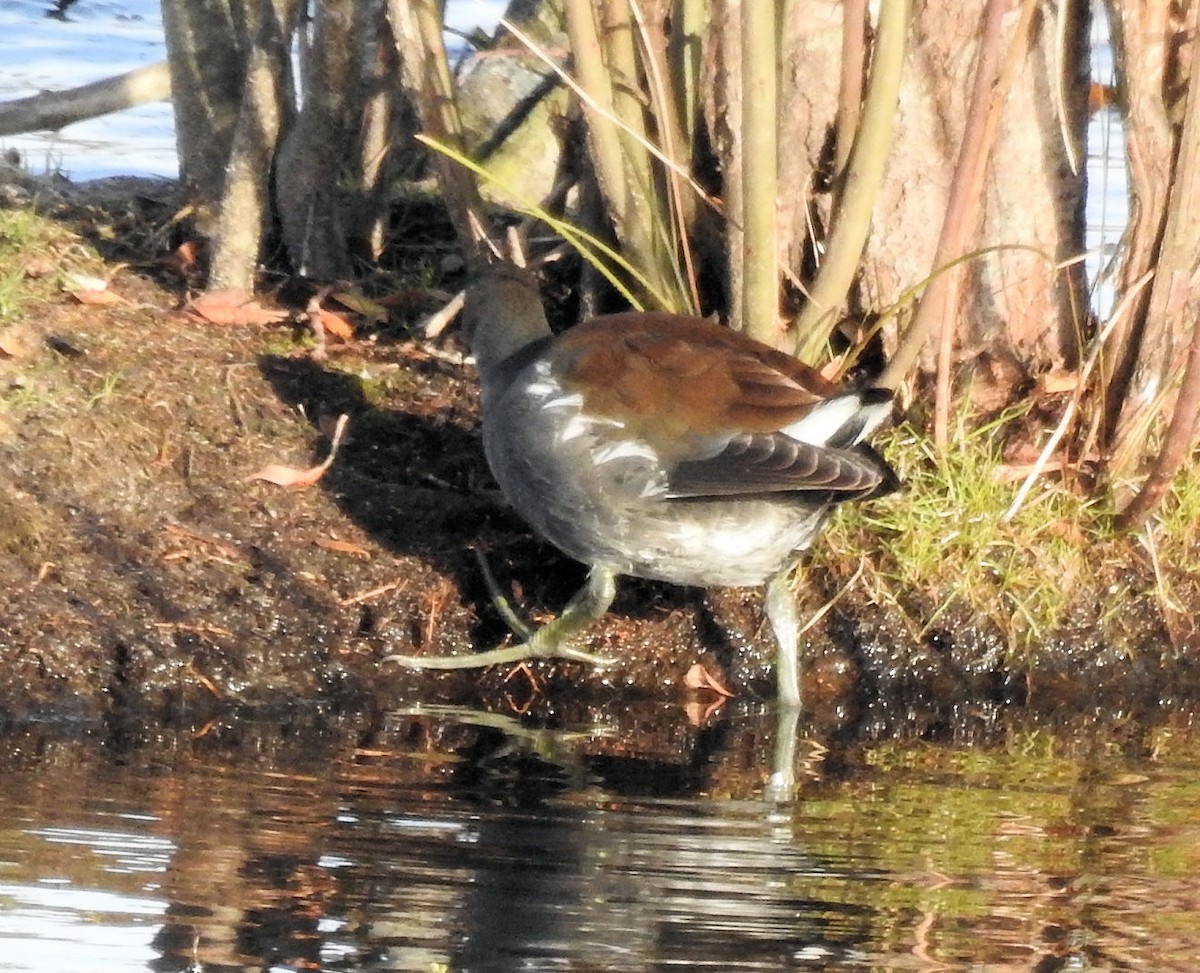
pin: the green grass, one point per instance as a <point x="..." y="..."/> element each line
<point x="943" y="550"/>
<point x="943" y="541"/>
<point x="21" y="232"/>
<point x="11" y="290"/>
<point x="24" y="235"/>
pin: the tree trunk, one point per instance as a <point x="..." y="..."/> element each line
<point x="245" y="215"/>
<point x="314" y="156"/>
<point x="1155" y="46"/>
<point x="208" y="71"/>
<point x="1024" y="311"/>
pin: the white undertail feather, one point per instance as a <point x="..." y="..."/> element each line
<point x="827" y="419"/>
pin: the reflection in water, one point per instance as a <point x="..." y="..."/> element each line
<point x="428" y="843"/>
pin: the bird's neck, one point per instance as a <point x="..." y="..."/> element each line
<point x="503" y="318"/>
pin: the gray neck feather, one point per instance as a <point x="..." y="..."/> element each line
<point x="502" y="315"/>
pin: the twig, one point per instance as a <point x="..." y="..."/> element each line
<point x="362" y="596"/>
<point x="825" y="608"/>
<point x="239" y="415"/>
<point x="434" y="325"/>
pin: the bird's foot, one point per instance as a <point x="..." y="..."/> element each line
<point x="548" y="642"/>
<point x="523" y="652"/>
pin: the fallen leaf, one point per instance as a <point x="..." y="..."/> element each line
<point x="1012" y="472"/>
<point x="289" y="476"/>
<point x="1069" y="531"/>
<point x="1057" y="381"/>
<point x="234" y="307"/>
<point x="297" y="477"/>
<point x="14" y="344"/>
<point x="343" y="547"/>
<point x="336" y="325"/>
<point x="362" y="305"/>
<point x="88" y="296"/>
<point x="698" y="677"/>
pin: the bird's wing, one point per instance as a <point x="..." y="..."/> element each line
<point x="775" y="463"/>
<point x="684" y="384"/>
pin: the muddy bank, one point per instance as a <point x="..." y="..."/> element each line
<point x="143" y="574"/>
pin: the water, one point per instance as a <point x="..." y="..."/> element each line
<point x="100" y="39"/>
<point x="1107" y="205"/>
<point x="442" y="842"/>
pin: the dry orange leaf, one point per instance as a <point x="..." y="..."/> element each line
<point x="1012" y="472"/>
<point x="1068" y="531"/>
<point x="88" y="296"/>
<point x="234" y="307"/>
<point x="698" y="677"/>
<point x="85" y="282"/>
<point x="336" y="325"/>
<point x="290" y="476"/>
<point x="297" y="477"/>
<point x="92" y="290"/>
<point x="1058" y="380"/>
<point x="14" y="345"/>
<point x="39" y="267"/>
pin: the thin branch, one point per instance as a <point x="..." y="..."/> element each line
<point x="850" y="89"/>
<point x="417" y="27"/>
<point x="760" y="172"/>
<point x="863" y="177"/>
<point x="1085" y="372"/>
<point x="982" y="121"/>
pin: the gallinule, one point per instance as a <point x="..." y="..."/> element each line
<point x="661" y="446"/>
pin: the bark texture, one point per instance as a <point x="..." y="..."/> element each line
<point x="314" y="155"/>
<point x="1025" y="313"/>
<point x="206" y="42"/>
<point x="1155" y="46"/>
<point x="244" y="210"/>
<point x="56" y="109"/>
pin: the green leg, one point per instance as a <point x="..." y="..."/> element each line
<point x="548" y="642"/>
<point x="785" y="624"/>
<point x="517" y="625"/>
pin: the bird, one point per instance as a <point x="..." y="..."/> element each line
<point x="660" y="446"/>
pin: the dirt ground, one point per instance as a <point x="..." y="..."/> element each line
<point x="142" y="573"/>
